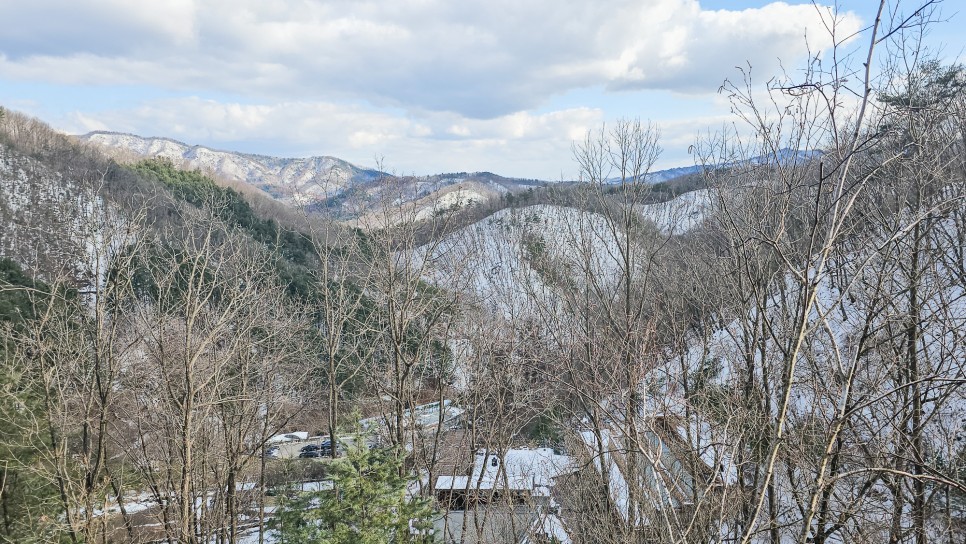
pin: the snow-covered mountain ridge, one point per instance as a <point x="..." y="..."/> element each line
<point x="324" y="180"/>
<point x="292" y="180"/>
<point x="320" y="182"/>
<point x="785" y="156"/>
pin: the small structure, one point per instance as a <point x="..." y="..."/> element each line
<point x="519" y="476"/>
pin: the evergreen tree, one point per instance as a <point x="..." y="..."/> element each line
<point x="28" y="502"/>
<point x="367" y="504"/>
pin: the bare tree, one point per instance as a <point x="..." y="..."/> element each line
<point x="219" y="344"/>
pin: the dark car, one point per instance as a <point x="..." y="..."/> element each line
<point x="313" y="454"/>
<point x="323" y="449"/>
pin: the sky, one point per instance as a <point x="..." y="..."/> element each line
<point x="419" y="86"/>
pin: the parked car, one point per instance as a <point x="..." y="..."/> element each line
<point x="313" y="454"/>
<point x="324" y="449"/>
<point x="271" y="452"/>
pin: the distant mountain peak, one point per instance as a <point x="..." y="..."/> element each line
<point x="783" y="155"/>
<point x="319" y="181"/>
<point x="291" y="180"/>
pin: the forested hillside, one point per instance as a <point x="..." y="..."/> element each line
<point x="768" y="350"/>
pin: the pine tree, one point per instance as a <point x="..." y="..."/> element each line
<point x="367" y="504"/>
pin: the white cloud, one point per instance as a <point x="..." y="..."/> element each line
<point x="478" y="58"/>
<point x="112" y="28"/>
<point x="431" y="85"/>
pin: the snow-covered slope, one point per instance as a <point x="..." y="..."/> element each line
<point x="418" y="200"/>
<point x="325" y="183"/>
<point x="680" y="214"/>
<point x="293" y="180"/>
<point x="514" y="259"/>
<point x="52" y="222"/>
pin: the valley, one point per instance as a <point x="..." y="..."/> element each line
<point x="762" y="345"/>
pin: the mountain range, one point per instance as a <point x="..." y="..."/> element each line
<point x="320" y="181"/>
<point x="329" y="182"/>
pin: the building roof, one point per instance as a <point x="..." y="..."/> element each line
<point x="518" y="469"/>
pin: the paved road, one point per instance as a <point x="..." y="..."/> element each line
<point x="291" y="450"/>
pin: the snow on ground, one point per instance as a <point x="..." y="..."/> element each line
<point x="680" y="214"/>
<point x="548" y="526"/>
<point x="308" y="179"/>
<point x="458" y="198"/>
<point x="252" y="537"/>
<point x="54" y="222"/>
<point x="512" y="259"/>
<point x="848" y="294"/>
<point x="517" y="469"/>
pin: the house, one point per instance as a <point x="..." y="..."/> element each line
<point x="518" y="476"/>
<point x="502" y="525"/>
<point x="505" y="499"/>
